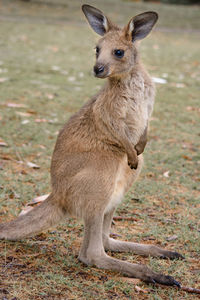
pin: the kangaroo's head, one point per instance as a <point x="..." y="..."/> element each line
<point x="116" y="51"/>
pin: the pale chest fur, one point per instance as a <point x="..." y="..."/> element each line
<point x="138" y="102"/>
<point x="124" y="106"/>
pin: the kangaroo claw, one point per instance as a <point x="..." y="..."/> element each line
<point x="172" y="255"/>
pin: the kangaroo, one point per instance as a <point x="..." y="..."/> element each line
<point x="98" y="153"/>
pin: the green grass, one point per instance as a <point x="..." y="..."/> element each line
<point x="47" y="58"/>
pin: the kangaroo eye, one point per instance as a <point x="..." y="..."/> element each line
<point x="97" y="50"/>
<point x="119" y="53"/>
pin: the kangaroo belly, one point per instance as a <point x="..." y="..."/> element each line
<point x="124" y="179"/>
<point x="116" y="197"/>
<point x="119" y="186"/>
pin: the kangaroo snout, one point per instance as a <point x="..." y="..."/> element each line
<point x="100" y="70"/>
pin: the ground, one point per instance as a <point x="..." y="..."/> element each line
<point x="45" y="75"/>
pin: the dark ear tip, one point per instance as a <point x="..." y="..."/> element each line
<point x="87" y="7"/>
<point x="154" y="14"/>
<point x="84" y="7"/>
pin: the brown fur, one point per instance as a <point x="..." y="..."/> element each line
<point x="96" y="151"/>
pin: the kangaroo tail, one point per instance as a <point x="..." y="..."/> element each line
<point x="40" y="218"/>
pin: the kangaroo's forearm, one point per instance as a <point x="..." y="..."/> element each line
<point x="142" y="142"/>
<point x="118" y="131"/>
<point x="119" y="134"/>
<point x="128" y="147"/>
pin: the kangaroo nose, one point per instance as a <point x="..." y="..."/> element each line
<point x="98" y="69"/>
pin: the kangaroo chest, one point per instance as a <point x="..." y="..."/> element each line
<point x="137" y="109"/>
<point x="125" y="108"/>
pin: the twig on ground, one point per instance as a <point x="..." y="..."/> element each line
<point x="190" y="289"/>
<point x="136" y="199"/>
<point x="121" y="218"/>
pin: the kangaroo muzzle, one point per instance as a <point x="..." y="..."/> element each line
<point x="100" y="71"/>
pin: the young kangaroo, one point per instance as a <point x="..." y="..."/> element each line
<point x="97" y="156"/>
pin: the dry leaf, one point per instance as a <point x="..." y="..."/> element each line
<point x="50" y="96"/>
<point x="3" y="70"/>
<point x="166" y="174"/>
<point x="71" y="78"/>
<point x="10" y="104"/>
<point x="41" y="120"/>
<point x="55" y="68"/>
<point x="186" y="157"/>
<point x="113" y="234"/>
<point x="54" y="48"/>
<point x="23" y="114"/>
<point x="41" y="198"/>
<point x="81" y="74"/>
<point x="3" y="79"/>
<point x="36" y="201"/>
<point x="42" y="146"/>
<point x="23" y="38"/>
<point x="131" y="280"/>
<point x="25" y="122"/>
<point x="140" y="290"/>
<point x="32" y="165"/>
<point x="180" y="85"/>
<point x="165" y="75"/>
<point x="156" y="47"/>
<point x="25" y="210"/>
<point x="191" y="108"/>
<point x="2" y="143"/>
<point x="28" y="208"/>
<point x="63" y="72"/>
<point x="32" y="112"/>
<point x="159" y="80"/>
<point x="23" y="172"/>
<point x="5" y="157"/>
<point x="172" y="238"/>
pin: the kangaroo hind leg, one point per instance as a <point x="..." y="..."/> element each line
<point x="136" y="248"/>
<point x="92" y="253"/>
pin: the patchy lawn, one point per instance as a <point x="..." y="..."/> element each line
<point x="45" y="75"/>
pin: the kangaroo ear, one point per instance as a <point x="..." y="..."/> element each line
<point x="141" y="25"/>
<point x="99" y="23"/>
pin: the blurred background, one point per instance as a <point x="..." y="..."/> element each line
<point x="46" y="60"/>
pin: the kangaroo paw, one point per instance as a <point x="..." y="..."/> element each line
<point x="162" y="279"/>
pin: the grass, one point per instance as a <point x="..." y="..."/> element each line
<point x="45" y="64"/>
